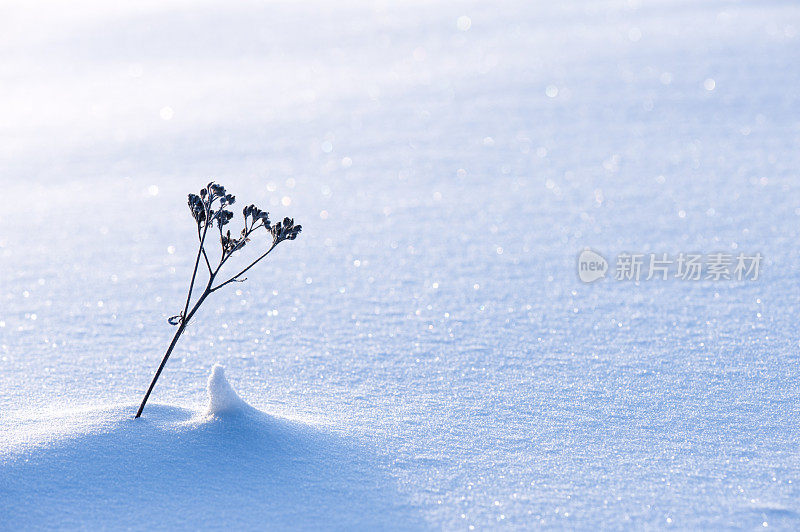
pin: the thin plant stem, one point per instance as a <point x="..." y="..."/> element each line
<point x="194" y="272"/>
<point x="172" y="344"/>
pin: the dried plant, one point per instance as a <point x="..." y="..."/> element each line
<point x="211" y="209"/>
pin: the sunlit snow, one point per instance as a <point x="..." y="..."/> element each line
<point x="424" y="355"/>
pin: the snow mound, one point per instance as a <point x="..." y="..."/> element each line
<point x="222" y="398"/>
<point x="230" y="466"/>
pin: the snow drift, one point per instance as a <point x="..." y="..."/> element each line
<point x="230" y="466"/>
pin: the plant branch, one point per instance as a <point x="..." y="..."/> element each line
<point x="235" y="277"/>
<point x="247" y="233"/>
<point x="194" y="273"/>
<point x="208" y="263"/>
<point x="203" y="249"/>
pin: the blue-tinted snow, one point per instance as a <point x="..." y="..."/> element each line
<point x="428" y="326"/>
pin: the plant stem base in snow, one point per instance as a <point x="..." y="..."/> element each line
<point x="158" y="372"/>
<point x="181" y="328"/>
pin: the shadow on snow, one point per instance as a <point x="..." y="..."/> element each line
<point x="237" y="469"/>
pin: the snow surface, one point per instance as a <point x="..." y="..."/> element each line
<point x="424" y="356"/>
<point x="233" y="467"/>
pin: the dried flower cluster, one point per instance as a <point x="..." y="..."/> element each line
<point x="206" y="213"/>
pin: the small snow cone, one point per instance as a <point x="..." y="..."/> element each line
<point x="222" y="398"/>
